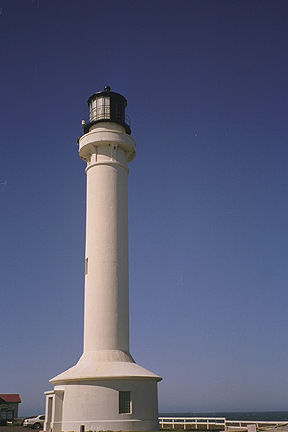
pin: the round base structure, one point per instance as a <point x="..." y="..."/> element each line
<point x="96" y="405"/>
<point x="103" y="391"/>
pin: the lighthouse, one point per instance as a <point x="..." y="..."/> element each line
<point x="106" y="389"/>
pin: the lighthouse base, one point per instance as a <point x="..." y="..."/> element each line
<point x="96" y="405"/>
<point x="102" y="395"/>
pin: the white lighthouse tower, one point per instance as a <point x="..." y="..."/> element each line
<point x="106" y="389"/>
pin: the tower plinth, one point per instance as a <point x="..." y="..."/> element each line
<point x="106" y="389"/>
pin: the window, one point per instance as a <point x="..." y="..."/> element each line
<point x="124" y="402"/>
<point x="86" y="266"/>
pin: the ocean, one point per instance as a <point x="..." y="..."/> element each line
<point x="253" y="415"/>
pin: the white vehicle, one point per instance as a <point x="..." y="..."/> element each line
<point x="34" y="422"/>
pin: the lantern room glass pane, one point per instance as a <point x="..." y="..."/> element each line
<point x="100" y="108"/>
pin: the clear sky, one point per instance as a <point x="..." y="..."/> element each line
<point x="206" y="84"/>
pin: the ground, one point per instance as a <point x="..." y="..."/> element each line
<point x="14" y="429"/>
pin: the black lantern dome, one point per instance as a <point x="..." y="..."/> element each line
<point x="107" y="106"/>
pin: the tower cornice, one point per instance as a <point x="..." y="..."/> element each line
<point x="104" y="137"/>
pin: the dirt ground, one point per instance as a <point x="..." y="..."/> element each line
<point x="15" y="429"/>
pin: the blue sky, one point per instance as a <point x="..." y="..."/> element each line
<point x="206" y="84"/>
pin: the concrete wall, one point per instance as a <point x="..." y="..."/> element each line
<point x="95" y="404"/>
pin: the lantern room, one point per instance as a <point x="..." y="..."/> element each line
<point x="107" y="106"/>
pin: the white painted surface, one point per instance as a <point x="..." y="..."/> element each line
<point x="105" y="364"/>
<point x="97" y="406"/>
<point x="106" y="319"/>
<point x="106" y="310"/>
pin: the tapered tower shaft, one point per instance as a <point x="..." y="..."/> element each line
<point x="106" y="316"/>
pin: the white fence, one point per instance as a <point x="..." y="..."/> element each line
<point x="220" y="423"/>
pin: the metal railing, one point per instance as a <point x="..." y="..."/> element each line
<point x="220" y="423"/>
